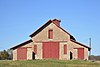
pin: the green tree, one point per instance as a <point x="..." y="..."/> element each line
<point x="4" y="55"/>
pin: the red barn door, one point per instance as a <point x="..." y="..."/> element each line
<point x="22" y="54"/>
<point x="46" y="50"/>
<point x="51" y="50"/>
<point x="54" y="49"/>
<point x="81" y="53"/>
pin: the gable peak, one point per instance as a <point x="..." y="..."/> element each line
<point x="56" y="22"/>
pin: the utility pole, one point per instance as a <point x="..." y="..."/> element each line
<point x="90" y="49"/>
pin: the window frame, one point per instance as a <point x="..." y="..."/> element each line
<point x="50" y="34"/>
<point x="65" y="48"/>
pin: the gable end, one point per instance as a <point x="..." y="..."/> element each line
<point x="49" y="22"/>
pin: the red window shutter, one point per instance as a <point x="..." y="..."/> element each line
<point x="50" y="34"/>
<point x="65" y="49"/>
<point x="35" y="49"/>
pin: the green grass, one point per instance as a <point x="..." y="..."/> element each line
<point x="48" y="63"/>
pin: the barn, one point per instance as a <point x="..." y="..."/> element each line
<point x="51" y="41"/>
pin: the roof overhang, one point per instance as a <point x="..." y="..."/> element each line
<point x="81" y="44"/>
<point x="22" y="44"/>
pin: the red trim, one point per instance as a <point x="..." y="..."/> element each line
<point x="49" y="41"/>
<point x="77" y="48"/>
<point x="65" y="49"/>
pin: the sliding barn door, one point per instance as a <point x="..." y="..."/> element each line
<point x="51" y="50"/>
<point x="22" y="54"/>
<point x="81" y="53"/>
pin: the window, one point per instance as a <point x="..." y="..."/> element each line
<point x="35" y="49"/>
<point x="65" y="49"/>
<point x="50" y="34"/>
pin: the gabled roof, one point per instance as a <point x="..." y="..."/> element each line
<point x="41" y="28"/>
<point x="81" y="44"/>
<point x="45" y="25"/>
<point x="22" y="44"/>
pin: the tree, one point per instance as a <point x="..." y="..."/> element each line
<point x="4" y="55"/>
<point x="92" y="57"/>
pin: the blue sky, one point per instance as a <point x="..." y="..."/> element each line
<point x="19" y="18"/>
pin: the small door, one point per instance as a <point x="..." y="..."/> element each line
<point x="71" y="55"/>
<point x="81" y="53"/>
<point x="51" y="50"/>
<point x="33" y="56"/>
<point x="22" y="54"/>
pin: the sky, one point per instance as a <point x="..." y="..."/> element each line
<point x="20" y="18"/>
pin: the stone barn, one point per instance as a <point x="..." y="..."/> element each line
<point x="51" y="41"/>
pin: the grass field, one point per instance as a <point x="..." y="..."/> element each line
<point x="48" y="63"/>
